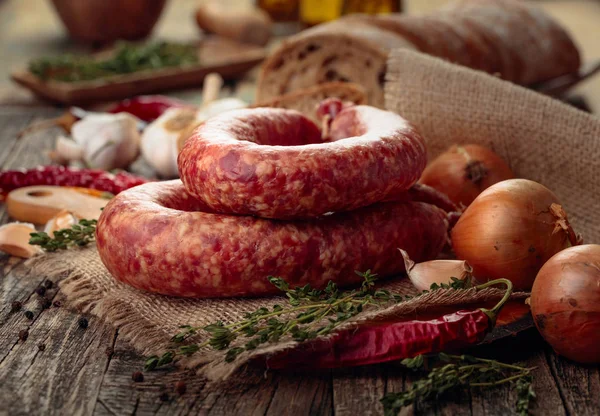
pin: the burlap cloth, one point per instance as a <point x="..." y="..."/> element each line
<point x="541" y="138"/>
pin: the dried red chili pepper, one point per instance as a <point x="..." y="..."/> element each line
<point x="65" y="176"/>
<point x="376" y="343"/>
<point x="147" y="107"/>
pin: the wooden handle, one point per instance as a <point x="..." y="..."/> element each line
<point x="211" y="88"/>
<point x="39" y="204"/>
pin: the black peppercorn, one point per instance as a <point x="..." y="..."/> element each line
<point x="83" y="322"/>
<point x="57" y="303"/>
<point x="48" y="284"/>
<point x="46" y="303"/>
<point x="41" y="291"/>
<point x="42" y="347"/>
<point x="16" y="306"/>
<point x="180" y="387"/>
<point x="164" y="397"/>
<point x="28" y="314"/>
<point x="23" y="334"/>
<point x="137" y="376"/>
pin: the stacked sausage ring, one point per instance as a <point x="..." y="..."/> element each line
<point x="262" y="193"/>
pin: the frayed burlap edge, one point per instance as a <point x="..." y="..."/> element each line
<point x="98" y="294"/>
<point x="85" y="295"/>
<point x="217" y="369"/>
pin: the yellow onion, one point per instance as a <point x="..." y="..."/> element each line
<point x="423" y="275"/>
<point x="463" y="172"/>
<point x="565" y="303"/>
<point x="511" y="230"/>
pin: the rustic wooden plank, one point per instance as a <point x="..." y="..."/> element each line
<point x="309" y="394"/>
<point x="65" y="376"/>
<point x="119" y="394"/>
<point x="358" y="391"/>
<point x="28" y="151"/>
<point x="10" y="125"/>
<point x="399" y="379"/>
<point x="579" y="385"/>
<point x="548" y="400"/>
<point x="524" y="350"/>
<point x="250" y="394"/>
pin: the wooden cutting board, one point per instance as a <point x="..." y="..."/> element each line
<point x="38" y="204"/>
<point x="228" y="58"/>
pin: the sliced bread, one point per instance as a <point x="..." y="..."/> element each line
<point x="508" y="38"/>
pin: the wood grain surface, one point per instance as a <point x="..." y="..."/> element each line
<point x="89" y="371"/>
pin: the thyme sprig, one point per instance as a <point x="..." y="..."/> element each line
<point x="78" y="235"/>
<point x="453" y="372"/>
<point x="302" y="319"/>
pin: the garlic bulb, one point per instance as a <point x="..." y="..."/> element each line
<point x="102" y="141"/>
<point x="423" y="275"/>
<point x="161" y="140"/>
<point x="14" y="239"/>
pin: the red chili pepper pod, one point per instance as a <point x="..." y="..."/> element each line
<point x="376" y="343"/>
<point x="147" y="107"/>
<point x="66" y="176"/>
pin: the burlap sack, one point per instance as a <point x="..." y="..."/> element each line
<point x="541" y="138"/>
<point x="149" y="321"/>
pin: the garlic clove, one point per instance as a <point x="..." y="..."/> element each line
<point x="64" y="219"/>
<point x="68" y="149"/>
<point x="14" y="239"/>
<point x="109" y="141"/>
<point x="423" y="275"/>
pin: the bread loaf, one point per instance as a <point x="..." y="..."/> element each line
<point x="516" y="41"/>
<point x="307" y="100"/>
<point x="330" y="52"/>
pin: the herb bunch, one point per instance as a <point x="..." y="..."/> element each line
<point x="126" y="58"/>
<point x="302" y="319"/>
<point x="453" y="372"/>
<point x="78" y="235"/>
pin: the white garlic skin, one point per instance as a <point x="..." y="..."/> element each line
<point x="109" y="141"/>
<point x="14" y="239"/>
<point x="423" y="275"/>
<point x="160" y="138"/>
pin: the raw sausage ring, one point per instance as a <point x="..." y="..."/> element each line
<point x="273" y="163"/>
<point x="158" y="238"/>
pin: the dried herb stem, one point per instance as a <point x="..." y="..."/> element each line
<point x="453" y="372"/>
<point x="79" y="234"/>
<point x="126" y="58"/>
<point x="303" y="319"/>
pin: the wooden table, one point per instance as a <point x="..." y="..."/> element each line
<point x="88" y="371"/>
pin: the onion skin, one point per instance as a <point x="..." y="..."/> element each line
<point x="509" y="231"/>
<point x="565" y="303"/>
<point x="463" y="172"/>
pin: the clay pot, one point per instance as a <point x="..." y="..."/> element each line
<point x="103" y="21"/>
